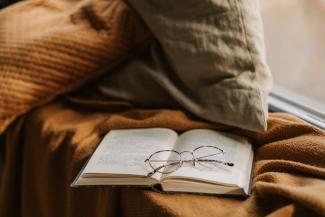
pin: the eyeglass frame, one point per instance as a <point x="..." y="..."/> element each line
<point x="180" y="162"/>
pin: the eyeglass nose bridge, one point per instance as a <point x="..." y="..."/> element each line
<point x="193" y="158"/>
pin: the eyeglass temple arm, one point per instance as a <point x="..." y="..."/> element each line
<point x="217" y="161"/>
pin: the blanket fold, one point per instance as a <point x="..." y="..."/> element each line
<point x="45" y="150"/>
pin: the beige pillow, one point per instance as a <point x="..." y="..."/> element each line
<point x="209" y="59"/>
<point x="49" y="47"/>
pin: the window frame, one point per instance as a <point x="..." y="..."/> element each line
<point x="284" y="100"/>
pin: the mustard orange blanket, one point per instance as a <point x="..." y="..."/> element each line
<point x="50" y="47"/>
<point x="45" y="150"/>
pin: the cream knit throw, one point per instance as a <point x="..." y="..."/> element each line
<point x="49" y="47"/>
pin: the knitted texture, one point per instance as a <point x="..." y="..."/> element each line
<point x="49" y="47"/>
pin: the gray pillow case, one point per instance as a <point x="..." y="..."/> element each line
<point x="209" y="58"/>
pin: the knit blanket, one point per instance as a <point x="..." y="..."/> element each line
<point x="45" y="150"/>
<point x="50" y="47"/>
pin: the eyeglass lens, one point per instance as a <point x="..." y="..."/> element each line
<point x="158" y="161"/>
<point x="208" y="156"/>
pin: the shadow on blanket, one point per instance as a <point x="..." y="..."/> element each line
<point x="45" y="150"/>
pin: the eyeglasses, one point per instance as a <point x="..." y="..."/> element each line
<point x="207" y="156"/>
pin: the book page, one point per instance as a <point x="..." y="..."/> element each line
<point x="123" y="152"/>
<point x="237" y="151"/>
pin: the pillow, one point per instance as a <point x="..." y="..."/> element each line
<point x="52" y="47"/>
<point x="209" y="59"/>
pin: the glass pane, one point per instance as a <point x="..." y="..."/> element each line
<point x="295" y="45"/>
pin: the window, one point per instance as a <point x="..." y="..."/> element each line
<point x="295" y="48"/>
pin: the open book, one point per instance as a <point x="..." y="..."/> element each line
<point x="200" y="160"/>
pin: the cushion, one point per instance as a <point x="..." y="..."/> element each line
<point x="52" y="47"/>
<point x="209" y="59"/>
